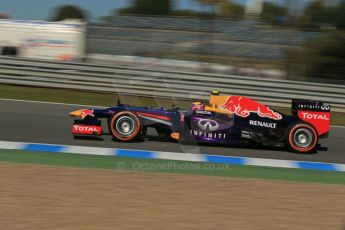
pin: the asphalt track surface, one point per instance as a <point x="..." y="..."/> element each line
<point x="49" y="123"/>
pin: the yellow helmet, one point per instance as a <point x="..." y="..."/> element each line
<point x="198" y="105"/>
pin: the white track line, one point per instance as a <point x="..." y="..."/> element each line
<point x="337" y="126"/>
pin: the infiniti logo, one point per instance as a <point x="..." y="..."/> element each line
<point x="208" y="125"/>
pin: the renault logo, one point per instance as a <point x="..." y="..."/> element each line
<point x="208" y="125"/>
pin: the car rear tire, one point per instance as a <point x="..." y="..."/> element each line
<point x="302" y="138"/>
<point x="125" y="126"/>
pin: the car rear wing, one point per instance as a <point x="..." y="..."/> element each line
<point x="316" y="113"/>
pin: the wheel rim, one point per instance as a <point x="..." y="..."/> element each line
<point x="125" y="126"/>
<point x="303" y="137"/>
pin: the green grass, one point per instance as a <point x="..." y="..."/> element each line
<point x="102" y="99"/>
<point x="169" y="166"/>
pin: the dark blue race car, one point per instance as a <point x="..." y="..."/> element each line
<point x="226" y="120"/>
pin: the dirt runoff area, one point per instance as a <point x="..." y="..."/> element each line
<point x="49" y="197"/>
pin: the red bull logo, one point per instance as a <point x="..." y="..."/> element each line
<point x="86" y="112"/>
<point x="243" y="106"/>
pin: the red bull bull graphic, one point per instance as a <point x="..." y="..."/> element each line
<point x="243" y="106"/>
<point x="86" y="112"/>
<point x="82" y="113"/>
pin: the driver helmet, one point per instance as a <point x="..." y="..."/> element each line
<point x="198" y="106"/>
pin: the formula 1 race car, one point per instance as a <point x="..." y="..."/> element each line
<point x="226" y="120"/>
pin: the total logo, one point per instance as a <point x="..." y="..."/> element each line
<point x="320" y="120"/>
<point x="315" y="116"/>
<point x="85" y="129"/>
<point x="208" y="125"/>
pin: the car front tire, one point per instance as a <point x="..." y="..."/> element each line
<point x="125" y="126"/>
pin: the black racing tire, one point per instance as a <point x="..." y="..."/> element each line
<point x="301" y="138"/>
<point x="125" y="126"/>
